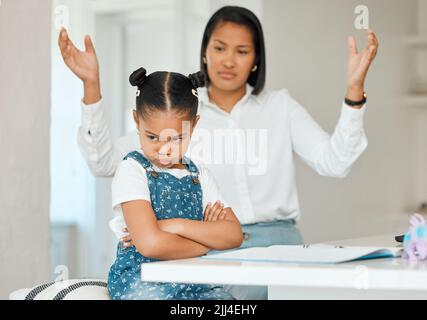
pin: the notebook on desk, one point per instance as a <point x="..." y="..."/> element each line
<point x="319" y="253"/>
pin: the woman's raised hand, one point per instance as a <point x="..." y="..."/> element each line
<point x="359" y="62"/>
<point x="84" y="64"/>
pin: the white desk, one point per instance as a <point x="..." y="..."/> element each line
<point x="371" y="279"/>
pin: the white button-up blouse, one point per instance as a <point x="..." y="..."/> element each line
<point x="250" y="151"/>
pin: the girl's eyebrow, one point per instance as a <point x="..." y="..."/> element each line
<point x="151" y="133"/>
<point x="240" y="46"/>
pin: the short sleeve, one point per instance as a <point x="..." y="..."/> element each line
<point x="210" y="188"/>
<point x="129" y="184"/>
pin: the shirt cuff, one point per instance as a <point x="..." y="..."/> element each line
<point x="351" y="118"/>
<point x="92" y="114"/>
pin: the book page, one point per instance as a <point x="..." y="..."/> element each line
<point x="306" y="254"/>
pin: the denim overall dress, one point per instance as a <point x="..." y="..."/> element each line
<point x="171" y="198"/>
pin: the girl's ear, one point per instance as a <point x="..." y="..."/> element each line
<point x="136" y="119"/>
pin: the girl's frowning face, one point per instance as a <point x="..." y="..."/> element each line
<point x="165" y="136"/>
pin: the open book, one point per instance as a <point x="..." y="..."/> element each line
<point x="318" y="253"/>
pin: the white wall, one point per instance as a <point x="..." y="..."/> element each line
<point x="24" y="141"/>
<point x="422" y="16"/>
<point x="256" y="6"/>
<point x="307" y="53"/>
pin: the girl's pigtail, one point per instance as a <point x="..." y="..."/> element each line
<point x="198" y="80"/>
<point x="138" y="77"/>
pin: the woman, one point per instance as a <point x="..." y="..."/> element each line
<point x="233" y="58"/>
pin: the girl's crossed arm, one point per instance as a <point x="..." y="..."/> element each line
<point x="220" y="230"/>
<point x="151" y="241"/>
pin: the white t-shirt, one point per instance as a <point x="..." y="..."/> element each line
<point x="130" y="183"/>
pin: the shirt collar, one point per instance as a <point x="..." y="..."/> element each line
<point x="204" y="97"/>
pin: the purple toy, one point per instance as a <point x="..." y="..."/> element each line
<point x="415" y="240"/>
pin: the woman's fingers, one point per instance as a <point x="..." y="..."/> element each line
<point x="60" y="39"/>
<point x="352" y="45"/>
<point x="61" y="36"/>
<point x="89" y="45"/>
<point x="63" y="41"/>
<point x="373" y="37"/>
<point x="373" y="44"/>
<point x="371" y="47"/>
<point x="376" y="40"/>
<point x="66" y="45"/>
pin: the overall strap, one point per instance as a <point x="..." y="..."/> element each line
<point x="192" y="168"/>
<point x="143" y="162"/>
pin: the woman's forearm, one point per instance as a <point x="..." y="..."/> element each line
<point x="92" y="92"/>
<point x="218" y="235"/>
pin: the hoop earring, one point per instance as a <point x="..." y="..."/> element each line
<point x="255" y="68"/>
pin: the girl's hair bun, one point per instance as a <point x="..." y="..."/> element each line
<point x="198" y="79"/>
<point x="138" y="77"/>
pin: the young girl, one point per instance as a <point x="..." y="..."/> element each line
<point x="161" y="194"/>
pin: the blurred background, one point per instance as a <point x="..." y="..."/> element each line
<point x="54" y="214"/>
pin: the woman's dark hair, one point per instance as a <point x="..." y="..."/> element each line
<point x="166" y="91"/>
<point x="243" y="17"/>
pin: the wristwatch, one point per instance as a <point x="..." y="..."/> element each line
<point x="352" y="103"/>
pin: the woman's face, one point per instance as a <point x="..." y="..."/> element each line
<point x="230" y="56"/>
<point x="165" y="136"/>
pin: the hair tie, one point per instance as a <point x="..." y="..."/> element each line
<point x="194" y="91"/>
